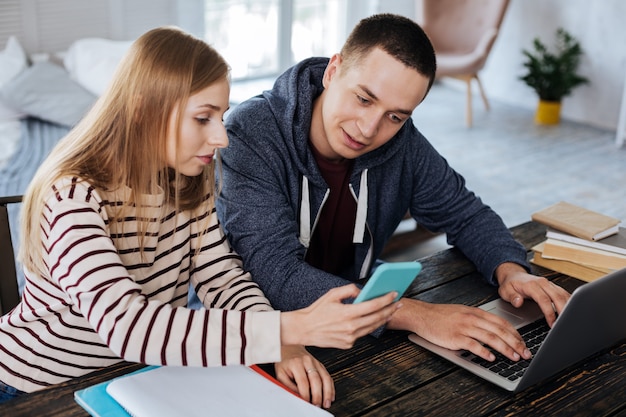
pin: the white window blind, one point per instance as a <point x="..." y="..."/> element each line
<point x="10" y="21"/>
<point x="52" y="25"/>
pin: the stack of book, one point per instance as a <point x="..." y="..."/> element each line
<point x="579" y="242"/>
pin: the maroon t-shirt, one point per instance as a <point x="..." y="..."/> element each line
<point x="331" y="248"/>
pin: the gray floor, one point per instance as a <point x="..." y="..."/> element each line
<point x="518" y="167"/>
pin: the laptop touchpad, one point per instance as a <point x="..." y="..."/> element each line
<point x="516" y="321"/>
<point x="518" y="317"/>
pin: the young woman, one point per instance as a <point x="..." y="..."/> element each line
<point x="120" y="220"/>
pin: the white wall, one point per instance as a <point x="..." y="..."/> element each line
<point x="599" y="27"/>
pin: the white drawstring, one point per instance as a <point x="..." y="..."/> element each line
<point x="305" y="214"/>
<point x="361" y="211"/>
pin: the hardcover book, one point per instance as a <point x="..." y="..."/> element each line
<point x="572" y="269"/>
<point x="614" y="243"/>
<point x="556" y="249"/>
<point x="577" y="221"/>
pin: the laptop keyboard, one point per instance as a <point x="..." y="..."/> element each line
<point x="533" y="334"/>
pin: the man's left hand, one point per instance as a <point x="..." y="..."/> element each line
<point x="516" y="285"/>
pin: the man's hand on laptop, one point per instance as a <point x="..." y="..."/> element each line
<point x="516" y="285"/>
<point x="460" y="327"/>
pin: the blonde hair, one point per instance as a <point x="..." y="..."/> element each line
<point x="122" y="140"/>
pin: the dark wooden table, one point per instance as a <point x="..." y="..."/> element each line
<point x="391" y="376"/>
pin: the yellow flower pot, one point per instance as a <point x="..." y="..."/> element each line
<point x="548" y="113"/>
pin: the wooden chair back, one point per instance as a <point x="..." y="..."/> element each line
<point x="9" y="292"/>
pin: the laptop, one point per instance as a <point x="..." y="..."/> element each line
<point x="591" y="321"/>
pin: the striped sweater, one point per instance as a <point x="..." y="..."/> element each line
<point x="101" y="301"/>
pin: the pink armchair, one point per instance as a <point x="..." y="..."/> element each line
<point x="462" y="33"/>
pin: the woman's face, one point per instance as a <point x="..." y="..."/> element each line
<point x="202" y="129"/>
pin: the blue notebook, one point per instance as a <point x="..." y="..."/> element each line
<point x="98" y="403"/>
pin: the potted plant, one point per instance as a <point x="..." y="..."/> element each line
<point x="553" y="75"/>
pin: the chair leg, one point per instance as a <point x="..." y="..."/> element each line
<point x="468" y="81"/>
<point x="482" y="92"/>
<point x="468" y="110"/>
<point x="9" y="292"/>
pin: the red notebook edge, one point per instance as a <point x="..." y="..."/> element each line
<point x="261" y="372"/>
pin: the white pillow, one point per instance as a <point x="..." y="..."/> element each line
<point x="91" y="62"/>
<point x="10" y="132"/>
<point x="46" y="91"/>
<point x="13" y="60"/>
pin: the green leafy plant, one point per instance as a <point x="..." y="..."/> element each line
<point x="553" y="75"/>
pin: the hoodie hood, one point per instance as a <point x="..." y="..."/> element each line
<point x="294" y="114"/>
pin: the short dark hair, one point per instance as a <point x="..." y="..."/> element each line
<point x="399" y="36"/>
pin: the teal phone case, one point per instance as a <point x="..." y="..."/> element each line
<point x="391" y="276"/>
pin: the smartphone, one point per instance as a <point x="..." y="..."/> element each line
<point x="390" y="276"/>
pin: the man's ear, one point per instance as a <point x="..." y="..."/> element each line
<point x="331" y="69"/>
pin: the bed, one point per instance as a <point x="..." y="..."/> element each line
<point x="41" y="97"/>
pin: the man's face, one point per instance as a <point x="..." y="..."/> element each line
<point x="363" y="106"/>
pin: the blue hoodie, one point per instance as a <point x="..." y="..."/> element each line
<point x="272" y="192"/>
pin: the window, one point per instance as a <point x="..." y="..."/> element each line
<point x="261" y="38"/>
<point x="315" y="28"/>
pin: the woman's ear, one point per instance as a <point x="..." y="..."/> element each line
<point x="331" y="69"/>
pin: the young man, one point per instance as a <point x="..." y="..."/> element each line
<point x="321" y="169"/>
